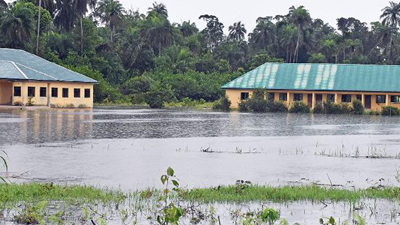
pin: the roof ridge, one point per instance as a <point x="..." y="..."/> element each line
<point x="33" y="70"/>
<point x="19" y="70"/>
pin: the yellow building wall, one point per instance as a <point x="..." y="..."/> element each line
<point x="5" y="93"/>
<point x="234" y="96"/>
<point x="59" y="101"/>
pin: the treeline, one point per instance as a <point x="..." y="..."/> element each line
<point x="145" y="58"/>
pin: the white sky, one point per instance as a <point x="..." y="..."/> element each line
<point x="247" y="11"/>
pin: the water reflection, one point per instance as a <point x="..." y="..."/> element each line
<point x="59" y="125"/>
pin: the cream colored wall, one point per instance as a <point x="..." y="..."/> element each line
<point x="5" y="93"/>
<point x="234" y="96"/>
<point x="71" y="101"/>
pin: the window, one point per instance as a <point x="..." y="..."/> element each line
<point x="17" y="91"/>
<point x="283" y="97"/>
<point x="54" y="92"/>
<point x="271" y="96"/>
<point x="65" y="92"/>
<point x="43" y="92"/>
<point x="359" y="97"/>
<point x="298" y="97"/>
<point x="330" y="98"/>
<point x="31" y="91"/>
<point x="346" y="98"/>
<point x="244" y="95"/>
<point x="395" y="98"/>
<point x="87" y="93"/>
<point x="381" y="99"/>
<point x="77" y="93"/>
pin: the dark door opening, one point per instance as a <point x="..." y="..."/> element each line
<point x="367" y="101"/>
<point x="310" y="100"/>
<point x="318" y="99"/>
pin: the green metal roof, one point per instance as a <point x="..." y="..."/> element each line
<point x="21" y="65"/>
<point x="320" y="77"/>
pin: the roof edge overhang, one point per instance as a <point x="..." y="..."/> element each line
<point x="47" y="81"/>
<point x="310" y="90"/>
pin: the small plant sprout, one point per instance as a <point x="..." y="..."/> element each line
<point x="169" y="212"/>
<point x="5" y="165"/>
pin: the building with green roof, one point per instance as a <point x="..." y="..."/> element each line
<point x="375" y="85"/>
<point x="26" y="79"/>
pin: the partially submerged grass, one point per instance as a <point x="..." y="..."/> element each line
<point x="33" y="192"/>
<point x="250" y="193"/>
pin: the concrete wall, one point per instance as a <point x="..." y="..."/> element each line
<point x="234" y="96"/>
<point x="59" y="101"/>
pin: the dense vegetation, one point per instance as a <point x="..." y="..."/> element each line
<point x="145" y="58"/>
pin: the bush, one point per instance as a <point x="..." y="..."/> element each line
<point x="276" y="106"/>
<point x="390" y="111"/>
<point x="155" y="99"/>
<point x="257" y="102"/>
<point x="318" y="108"/>
<point x="223" y="104"/>
<point x="243" y="106"/>
<point x="299" y="107"/>
<point x="358" y="107"/>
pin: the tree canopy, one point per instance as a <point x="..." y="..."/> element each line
<point x="134" y="54"/>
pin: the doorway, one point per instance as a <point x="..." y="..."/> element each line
<point x="367" y="101"/>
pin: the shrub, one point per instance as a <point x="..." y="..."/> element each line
<point x="390" y="111"/>
<point x="358" y="107"/>
<point x="223" y="104"/>
<point x="299" y="107"/>
<point x="334" y="108"/>
<point x="243" y="106"/>
<point x="318" y="108"/>
<point x="155" y="99"/>
<point x="276" y="106"/>
<point x="257" y="102"/>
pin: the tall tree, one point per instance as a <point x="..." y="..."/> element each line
<point x="38" y="27"/>
<point x="237" y="31"/>
<point x="17" y="26"/>
<point x="213" y="31"/>
<point x="301" y="18"/>
<point x="391" y="17"/>
<point x="111" y="13"/>
<point x="160" y="9"/>
<point x="81" y="8"/>
<point x="65" y="14"/>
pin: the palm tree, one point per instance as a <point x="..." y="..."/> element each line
<point x="159" y="35"/>
<point x="187" y="28"/>
<point x="38" y="27"/>
<point x="111" y="13"/>
<point x="3" y="4"/>
<point x="237" y="31"/>
<point x="391" y="17"/>
<point x="81" y="8"/>
<point x="160" y="9"/>
<point x="65" y="14"/>
<point x="301" y="18"/>
<point x="213" y="31"/>
<point x="263" y="33"/>
<point x="17" y="25"/>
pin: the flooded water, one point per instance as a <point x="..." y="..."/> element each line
<point x="131" y="148"/>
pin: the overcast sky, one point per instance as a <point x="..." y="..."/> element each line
<point x="247" y="11"/>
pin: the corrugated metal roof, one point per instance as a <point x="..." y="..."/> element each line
<point x="21" y="65"/>
<point x="320" y="77"/>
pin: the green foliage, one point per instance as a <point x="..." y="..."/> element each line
<point x="4" y="165"/>
<point x="299" y="107"/>
<point x="318" y="108"/>
<point x="279" y="106"/>
<point x="222" y="104"/>
<point x="390" y="111"/>
<point x="358" y="107"/>
<point x="244" y="106"/>
<point x="337" y="108"/>
<point x="158" y="95"/>
<point x="317" y="58"/>
<point x="257" y="102"/>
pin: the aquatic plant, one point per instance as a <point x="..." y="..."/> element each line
<point x="4" y="165"/>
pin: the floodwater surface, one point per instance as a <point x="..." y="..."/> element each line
<point x="131" y="148"/>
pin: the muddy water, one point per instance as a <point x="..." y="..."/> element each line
<point x="130" y="149"/>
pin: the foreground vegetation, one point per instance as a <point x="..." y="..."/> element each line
<point x="145" y="58"/>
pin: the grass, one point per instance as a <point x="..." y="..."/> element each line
<point x="238" y="193"/>
<point x="33" y="192"/>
